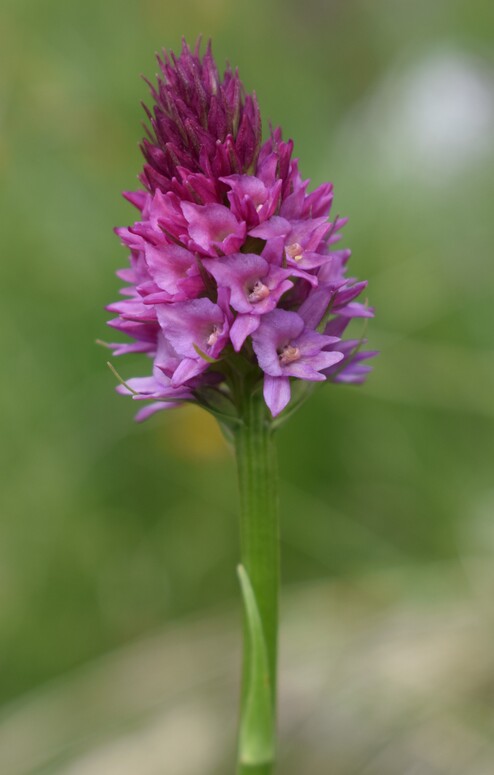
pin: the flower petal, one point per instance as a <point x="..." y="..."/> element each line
<point x="276" y="393"/>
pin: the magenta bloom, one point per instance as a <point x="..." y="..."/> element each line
<point x="286" y="348"/>
<point x="233" y="281"/>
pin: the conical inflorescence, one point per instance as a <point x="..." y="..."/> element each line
<point x="233" y="263"/>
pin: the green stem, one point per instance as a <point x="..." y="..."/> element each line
<point x="259" y="545"/>
<point x="256" y="769"/>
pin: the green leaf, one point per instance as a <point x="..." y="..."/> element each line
<point x="256" y="744"/>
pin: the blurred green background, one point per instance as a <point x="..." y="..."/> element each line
<point x="110" y="531"/>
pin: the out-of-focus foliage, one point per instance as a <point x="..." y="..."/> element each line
<point x="109" y="530"/>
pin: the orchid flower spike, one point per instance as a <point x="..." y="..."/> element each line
<point x="234" y="278"/>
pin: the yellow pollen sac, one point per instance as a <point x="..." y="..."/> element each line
<point x="213" y="336"/>
<point x="289" y="354"/>
<point x="295" y="251"/>
<point x="258" y="292"/>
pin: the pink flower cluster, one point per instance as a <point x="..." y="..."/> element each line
<point x="232" y="262"/>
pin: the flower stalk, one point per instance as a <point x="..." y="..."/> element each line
<point x="259" y="549"/>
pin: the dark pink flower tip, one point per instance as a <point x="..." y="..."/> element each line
<point x="200" y="121"/>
